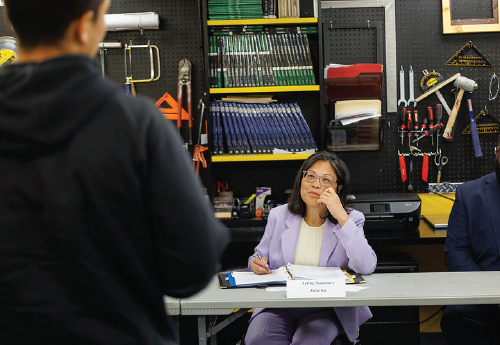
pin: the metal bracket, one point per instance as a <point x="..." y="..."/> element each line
<point x="227" y="321"/>
<point x="390" y="41"/>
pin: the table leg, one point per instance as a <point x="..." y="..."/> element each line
<point x="202" y="330"/>
<point x="212" y="336"/>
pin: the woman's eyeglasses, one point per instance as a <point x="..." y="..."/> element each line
<point x="324" y="180"/>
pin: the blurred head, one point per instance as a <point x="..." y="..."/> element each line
<point x="46" y="23"/>
<point x="323" y="165"/>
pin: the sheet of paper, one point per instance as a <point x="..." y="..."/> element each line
<point x="322" y="288"/>
<point x="299" y="272"/>
<point x="246" y="278"/>
<point x="358" y="106"/>
<point x="313" y="272"/>
<point x="355" y="287"/>
<point x="348" y="121"/>
<point x="284" y="152"/>
<point x="360" y="113"/>
<point x="276" y="288"/>
<point x="348" y="288"/>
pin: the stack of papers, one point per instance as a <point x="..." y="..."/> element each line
<point x="280" y="275"/>
<point x="261" y="98"/>
<point x="234" y="9"/>
<point x="352" y="111"/>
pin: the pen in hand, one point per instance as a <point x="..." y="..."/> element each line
<point x="260" y="258"/>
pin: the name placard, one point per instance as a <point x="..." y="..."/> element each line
<point x="315" y="288"/>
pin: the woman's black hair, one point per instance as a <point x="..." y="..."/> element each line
<point x="295" y="203"/>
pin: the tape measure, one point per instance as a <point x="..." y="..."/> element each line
<point x="8" y="50"/>
<point x="430" y="79"/>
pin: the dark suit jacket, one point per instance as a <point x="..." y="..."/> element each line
<point x="473" y="235"/>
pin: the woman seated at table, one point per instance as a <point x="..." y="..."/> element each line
<point x="315" y="228"/>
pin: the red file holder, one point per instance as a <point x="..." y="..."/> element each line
<point x="354" y="81"/>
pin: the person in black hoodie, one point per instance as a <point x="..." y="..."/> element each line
<point x="96" y="194"/>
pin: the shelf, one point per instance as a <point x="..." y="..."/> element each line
<point x="259" y="157"/>
<point x="292" y="88"/>
<point x="277" y="21"/>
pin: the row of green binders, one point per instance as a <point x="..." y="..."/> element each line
<point x="234" y="9"/>
<point x="260" y="59"/>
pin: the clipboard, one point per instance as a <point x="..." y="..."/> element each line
<point x="227" y="280"/>
<point x="353" y="277"/>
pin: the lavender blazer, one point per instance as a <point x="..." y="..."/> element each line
<point x="344" y="247"/>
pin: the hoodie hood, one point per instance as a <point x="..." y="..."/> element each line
<point x="43" y="104"/>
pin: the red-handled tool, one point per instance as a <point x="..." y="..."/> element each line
<point x="423" y="127"/>
<point x="430" y="117"/>
<point x="198" y="157"/>
<point x="403" y="125"/>
<point x="408" y="126"/>
<point x="415" y="124"/>
<point x="439" y="122"/>
<point x="425" y="167"/>
<point x="199" y="148"/>
<point x="439" y="113"/>
<point x="402" y="168"/>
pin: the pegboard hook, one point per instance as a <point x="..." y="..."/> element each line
<point x="141" y="30"/>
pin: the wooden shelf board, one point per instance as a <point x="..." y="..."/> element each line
<point x="258" y="157"/>
<point x="293" y="88"/>
<point x="262" y="21"/>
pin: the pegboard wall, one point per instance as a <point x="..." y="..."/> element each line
<point x="179" y="37"/>
<point x="420" y="44"/>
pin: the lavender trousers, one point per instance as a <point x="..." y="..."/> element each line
<point x="293" y="326"/>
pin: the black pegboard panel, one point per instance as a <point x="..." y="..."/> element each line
<point x="419" y="41"/>
<point x="421" y="44"/>
<point x="369" y="169"/>
<point x="178" y="37"/>
<point x="346" y="45"/>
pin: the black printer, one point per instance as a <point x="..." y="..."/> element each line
<point x="388" y="213"/>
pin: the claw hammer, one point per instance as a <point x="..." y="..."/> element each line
<point x="463" y="84"/>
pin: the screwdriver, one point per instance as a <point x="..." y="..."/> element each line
<point x="439" y="118"/>
<point x="439" y="113"/>
<point x="408" y="126"/>
<point x="415" y="123"/>
<point x="435" y="127"/>
<point x="403" y="112"/>
<point x="423" y="127"/>
<point x="430" y="115"/>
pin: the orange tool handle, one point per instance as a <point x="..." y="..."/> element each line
<point x="179" y="104"/>
<point x="425" y="167"/>
<point x="402" y="168"/>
